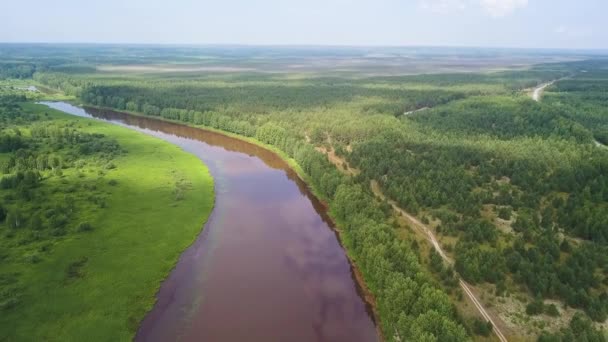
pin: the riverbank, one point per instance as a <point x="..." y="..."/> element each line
<point x="325" y="202"/>
<point x="151" y="203"/>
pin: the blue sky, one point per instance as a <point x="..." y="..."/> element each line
<point x="496" y="23"/>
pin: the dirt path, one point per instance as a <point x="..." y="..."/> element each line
<point x="428" y="234"/>
<point x="421" y="228"/>
<point x="341" y="164"/>
<point x="415" y="111"/>
<point x="537" y="92"/>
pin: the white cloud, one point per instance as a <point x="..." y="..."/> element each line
<point x="499" y="8"/>
<point x="443" y="6"/>
<point x="574" y="32"/>
<point x="495" y="8"/>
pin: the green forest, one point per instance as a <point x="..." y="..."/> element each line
<point x="515" y="190"/>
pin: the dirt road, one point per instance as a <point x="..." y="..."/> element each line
<point x="538" y="91"/>
<point x="415" y="111"/>
<point x="428" y="233"/>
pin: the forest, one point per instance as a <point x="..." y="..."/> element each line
<point x="516" y="190"/>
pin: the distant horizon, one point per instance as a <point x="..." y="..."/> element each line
<point x="296" y="45"/>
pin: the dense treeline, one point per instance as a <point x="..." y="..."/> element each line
<point x="16" y="70"/>
<point x="412" y="308"/>
<point x="260" y="98"/>
<point x="550" y="195"/>
<point x="583" y="97"/>
<point x="505" y="118"/>
<point x="463" y="180"/>
<point x="510" y="80"/>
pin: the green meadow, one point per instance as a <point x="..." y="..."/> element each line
<point x="84" y="250"/>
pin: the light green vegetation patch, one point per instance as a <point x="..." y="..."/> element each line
<point x="96" y="279"/>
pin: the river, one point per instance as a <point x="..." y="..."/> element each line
<point x="266" y="267"/>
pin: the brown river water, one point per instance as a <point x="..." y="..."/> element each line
<point x="267" y="266"/>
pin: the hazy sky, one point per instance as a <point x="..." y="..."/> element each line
<point x="503" y="23"/>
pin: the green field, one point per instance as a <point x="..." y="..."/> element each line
<point x="69" y="281"/>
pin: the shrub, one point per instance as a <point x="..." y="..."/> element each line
<point x="36" y="223"/>
<point x="33" y="258"/>
<point x="74" y="269"/>
<point x="84" y="227"/>
<point x="536" y="307"/>
<point x="482" y="328"/>
<point x="2" y="213"/>
<point x="14" y="219"/>
<point x="504" y="213"/>
<point x="9" y="303"/>
<point x="551" y="310"/>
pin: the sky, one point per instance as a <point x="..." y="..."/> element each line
<point x="576" y="24"/>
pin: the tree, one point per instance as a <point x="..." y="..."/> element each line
<point x="14" y="219"/>
<point x="483" y="328"/>
<point x="535" y="307"/>
<point x="504" y="213"/>
<point x="36" y="222"/>
<point x="435" y="261"/>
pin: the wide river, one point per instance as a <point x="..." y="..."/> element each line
<point x="267" y="266"/>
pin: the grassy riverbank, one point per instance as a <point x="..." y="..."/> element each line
<point x="142" y="208"/>
<point x="293" y="164"/>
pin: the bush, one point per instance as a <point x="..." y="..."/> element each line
<point x="535" y="307"/>
<point x="36" y="223"/>
<point x="33" y="258"/>
<point x="74" y="269"/>
<point x="14" y="219"/>
<point x="551" y="310"/>
<point x="84" y="227"/>
<point x="504" y="213"/>
<point x="2" y="213"/>
<point x="482" y="328"/>
<point x="9" y="303"/>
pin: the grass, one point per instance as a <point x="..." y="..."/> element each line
<point x="97" y="285"/>
<point x="16" y="87"/>
<point x="293" y="164"/>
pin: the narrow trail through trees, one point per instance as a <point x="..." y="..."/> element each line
<point x="536" y="96"/>
<point x="538" y="91"/>
<point x="416" y="110"/>
<point x="428" y="234"/>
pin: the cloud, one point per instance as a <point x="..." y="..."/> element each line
<point x="499" y="8"/>
<point x="573" y="32"/>
<point x="443" y="6"/>
<point x="495" y="8"/>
